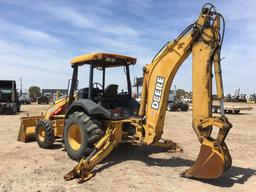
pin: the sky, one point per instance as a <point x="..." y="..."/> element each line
<point x="39" y="38"/>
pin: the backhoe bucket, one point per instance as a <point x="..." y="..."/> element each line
<point x="213" y="160"/>
<point x="27" y="128"/>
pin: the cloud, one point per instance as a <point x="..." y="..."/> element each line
<point x="39" y="38"/>
<point x="36" y="65"/>
<point x="91" y="21"/>
<point x="88" y="18"/>
<point x="17" y="32"/>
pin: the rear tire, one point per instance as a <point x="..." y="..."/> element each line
<point x="184" y="107"/>
<point x="214" y="110"/>
<point x="44" y="134"/>
<point x="81" y="132"/>
<point x="237" y="111"/>
<point x="172" y="107"/>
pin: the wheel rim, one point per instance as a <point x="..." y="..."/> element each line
<point x="74" y="136"/>
<point x="41" y="134"/>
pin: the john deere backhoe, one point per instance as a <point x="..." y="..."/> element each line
<point x="94" y="120"/>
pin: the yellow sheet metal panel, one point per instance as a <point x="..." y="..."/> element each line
<point x="100" y="59"/>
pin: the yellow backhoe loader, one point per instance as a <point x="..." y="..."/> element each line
<point x="94" y="120"/>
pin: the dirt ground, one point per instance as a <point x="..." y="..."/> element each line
<point x="26" y="167"/>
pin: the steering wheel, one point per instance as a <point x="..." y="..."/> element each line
<point x="97" y="85"/>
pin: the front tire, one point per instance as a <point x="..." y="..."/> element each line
<point x="81" y="132"/>
<point x="44" y="134"/>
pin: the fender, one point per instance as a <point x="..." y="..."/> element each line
<point x="91" y="108"/>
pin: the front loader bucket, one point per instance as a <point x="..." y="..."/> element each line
<point x="213" y="160"/>
<point x="27" y="128"/>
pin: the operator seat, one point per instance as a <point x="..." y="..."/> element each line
<point x="84" y="93"/>
<point x="109" y="97"/>
<point x="110" y="91"/>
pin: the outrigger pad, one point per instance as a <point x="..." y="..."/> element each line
<point x="213" y="160"/>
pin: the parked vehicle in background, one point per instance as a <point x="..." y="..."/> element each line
<point x="25" y="99"/>
<point x="230" y="108"/>
<point x="9" y="101"/>
<point x="236" y="97"/>
<point x="186" y="99"/>
<point x="251" y="98"/>
<point x="43" y="100"/>
<point x="175" y="104"/>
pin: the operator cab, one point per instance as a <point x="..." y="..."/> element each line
<point x="110" y="96"/>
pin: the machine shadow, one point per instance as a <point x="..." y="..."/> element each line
<point x="236" y="175"/>
<point x="126" y="151"/>
<point x="22" y="111"/>
<point x="58" y="144"/>
<point x="240" y="114"/>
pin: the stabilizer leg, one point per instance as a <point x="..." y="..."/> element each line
<point x="103" y="148"/>
<point x="171" y="146"/>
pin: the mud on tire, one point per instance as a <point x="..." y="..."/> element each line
<point x="81" y="132"/>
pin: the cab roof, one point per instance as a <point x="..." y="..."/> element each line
<point x="103" y="60"/>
